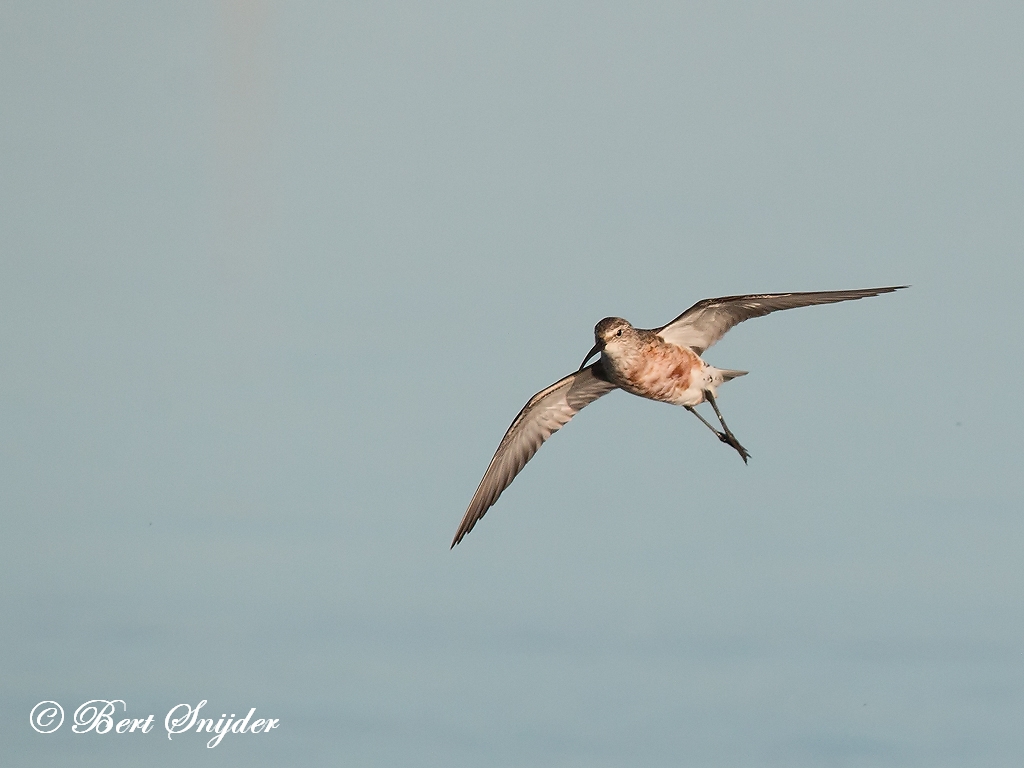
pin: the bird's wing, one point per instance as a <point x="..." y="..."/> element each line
<point x="546" y="413"/>
<point x="707" y="321"/>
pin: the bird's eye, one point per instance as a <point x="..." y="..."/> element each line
<point x="618" y="332"/>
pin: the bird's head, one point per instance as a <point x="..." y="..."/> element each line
<point x="610" y="334"/>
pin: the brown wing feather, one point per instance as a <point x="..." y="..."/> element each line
<point x="546" y="412"/>
<point x="707" y="321"/>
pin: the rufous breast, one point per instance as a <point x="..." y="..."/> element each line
<point x="662" y="371"/>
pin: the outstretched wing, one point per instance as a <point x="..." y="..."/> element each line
<point x="707" y="321"/>
<point x="546" y="413"/>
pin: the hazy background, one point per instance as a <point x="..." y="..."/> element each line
<point x="276" y="277"/>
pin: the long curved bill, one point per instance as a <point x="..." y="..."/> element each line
<point x="595" y="351"/>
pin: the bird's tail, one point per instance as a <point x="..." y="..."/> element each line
<point x="727" y="375"/>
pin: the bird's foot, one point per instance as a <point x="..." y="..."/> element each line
<point x="730" y="439"/>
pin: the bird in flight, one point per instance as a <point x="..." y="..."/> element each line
<point x="660" y="364"/>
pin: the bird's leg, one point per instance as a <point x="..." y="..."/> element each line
<point x="728" y="436"/>
<point x="720" y="435"/>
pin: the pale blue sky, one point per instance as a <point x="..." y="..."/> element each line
<point x="274" y="279"/>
